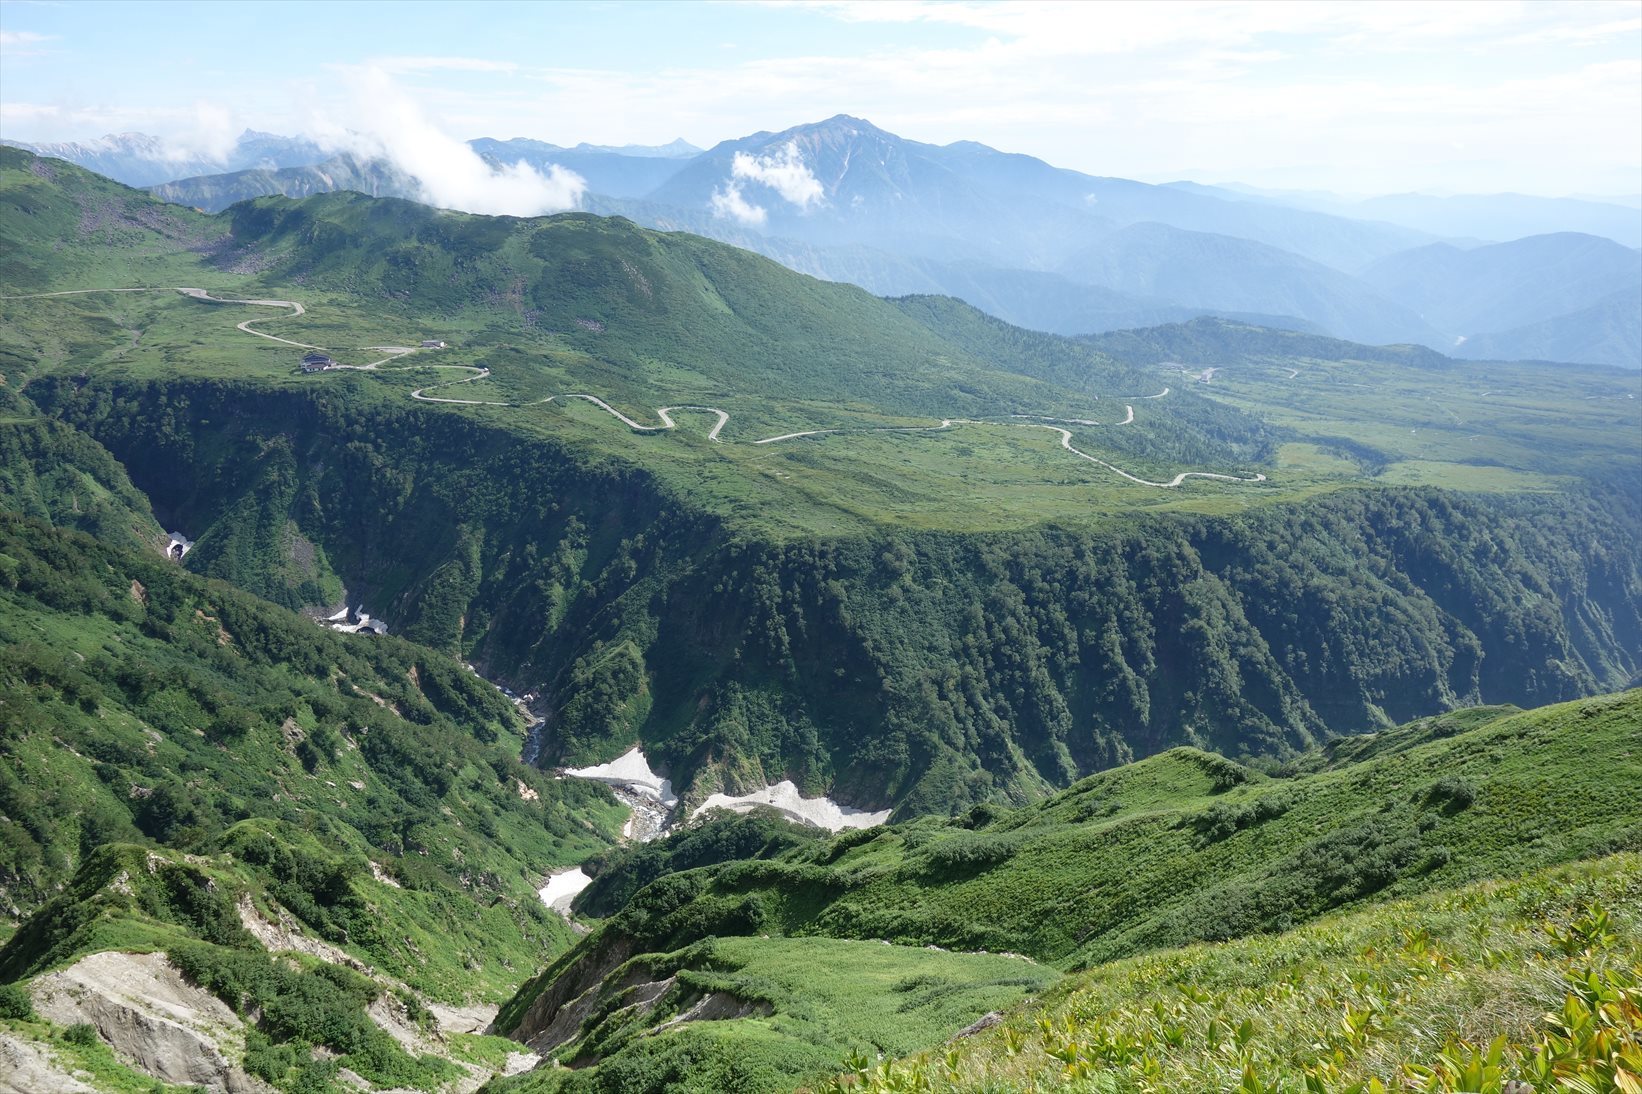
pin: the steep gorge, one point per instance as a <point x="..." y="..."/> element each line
<point x="925" y="670"/>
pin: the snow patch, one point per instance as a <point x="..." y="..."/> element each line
<point x="562" y="887"/>
<point x="784" y="797"/>
<point x="631" y="770"/>
<point x="362" y="622"/>
<point x="177" y="545"/>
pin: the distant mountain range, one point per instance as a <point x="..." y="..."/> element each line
<point x="1048" y="248"/>
<point x="1472" y="216"/>
<point x="377" y="178"/>
<point x="138" y="159"/>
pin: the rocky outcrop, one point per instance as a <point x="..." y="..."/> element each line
<point x="717" y="1006"/>
<point x="287" y="934"/>
<point x="151" y="1017"/>
<point x="28" y="1068"/>
<point x="560" y="984"/>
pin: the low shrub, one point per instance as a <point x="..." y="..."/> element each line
<point x="15" y="1003"/>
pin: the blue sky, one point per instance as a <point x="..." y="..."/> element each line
<point x="1358" y="98"/>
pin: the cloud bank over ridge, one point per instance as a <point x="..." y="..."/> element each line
<point x="382" y="122"/>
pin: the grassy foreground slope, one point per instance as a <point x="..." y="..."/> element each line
<point x="1175" y="849"/>
<point x="1535" y="981"/>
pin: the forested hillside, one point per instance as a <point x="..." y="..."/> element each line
<point x="146" y="705"/>
<point x="927" y="671"/>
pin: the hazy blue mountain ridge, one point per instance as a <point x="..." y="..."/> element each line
<point x="1607" y="333"/>
<point x="1456" y="217"/>
<point x="214" y="193"/>
<point x="1505" y="285"/>
<point x="1226" y="273"/>
<point x="871" y="178"/>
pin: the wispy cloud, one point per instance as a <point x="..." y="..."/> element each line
<point x="24" y="43"/>
<point x="729" y="203"/>
<point x="783" y="171"/>
<point x="404" y="66"/>
<point x="380" y="120"/>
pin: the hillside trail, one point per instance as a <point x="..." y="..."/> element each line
<point x="665" y="414"/>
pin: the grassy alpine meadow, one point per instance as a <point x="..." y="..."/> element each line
<point x="579" y="305"/>
<point x="1528" y="983"/>
<point x="799" y="1005"/>
<point x="985" y="471"/>
<point x="1486" y="426"/>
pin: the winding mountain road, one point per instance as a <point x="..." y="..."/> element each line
<point x="296" y="310"/>
<point x="665" y="414"/>
<point x="712" y="434"/>
<point x="1066" y="443"/>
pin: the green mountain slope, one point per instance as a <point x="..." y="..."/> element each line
<point x="145" y="705"/>
<point x="1174" y="849"/>
<point x="654" y="308"/>
<point x="64" y="227"/>
<point x="1217" y="341"/>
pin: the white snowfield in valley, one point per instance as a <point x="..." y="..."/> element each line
<point x="784" y="796"/>
<point x="632" y="770"/>
<point x="562" y="887"/>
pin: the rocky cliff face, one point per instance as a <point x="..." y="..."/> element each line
<point x="151" y="1017"/>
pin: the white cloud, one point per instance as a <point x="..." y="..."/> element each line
<point x="382" y="121"/>
<point x="405" y="65"/>
<point x="783" y="171"/>
<point x="212" y="135"/>
<point x="729" y="203"/>
<point x="24" y="43"/>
